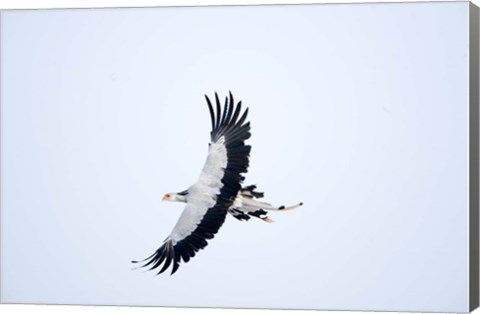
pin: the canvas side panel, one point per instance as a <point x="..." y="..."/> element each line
<point x="1" y="151"/>
<point x="474" y="167"/>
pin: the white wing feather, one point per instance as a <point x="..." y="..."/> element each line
<point x="200" y="194"/>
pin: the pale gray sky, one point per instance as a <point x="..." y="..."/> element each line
<point x="359" y="111"/>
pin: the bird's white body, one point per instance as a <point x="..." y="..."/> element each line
<point x="245" y="205"/>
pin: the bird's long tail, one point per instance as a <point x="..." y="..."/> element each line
<point x="247" y="204"/>
<point x="252" y="204"/>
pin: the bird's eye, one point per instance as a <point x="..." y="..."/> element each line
<point x="167" y="195"/>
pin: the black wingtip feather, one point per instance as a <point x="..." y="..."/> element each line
<point x="243" y="118"/>
<point x="225" y="110"/>
<point x="168" y="259"/>
<point x="219" y="110"/>
<point x="210" y="109"/>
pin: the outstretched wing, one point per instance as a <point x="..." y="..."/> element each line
<point x="214" y="192"/>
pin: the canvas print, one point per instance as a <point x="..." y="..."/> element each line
<point x="272" y="156"/>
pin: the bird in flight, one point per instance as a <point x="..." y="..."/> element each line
<point x="217" y="192"/>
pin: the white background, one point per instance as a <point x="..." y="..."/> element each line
<point x="144" y="188"/>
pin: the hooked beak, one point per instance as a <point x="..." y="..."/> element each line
<point x="164" y="198"/>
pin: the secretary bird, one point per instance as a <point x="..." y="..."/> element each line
<point x="217" y="192"/>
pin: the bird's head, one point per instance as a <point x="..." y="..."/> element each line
<point x="174" y="197"/>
